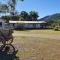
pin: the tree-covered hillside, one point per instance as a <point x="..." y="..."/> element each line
<point x="51" y="17"/>
<point x="53" y="21"/>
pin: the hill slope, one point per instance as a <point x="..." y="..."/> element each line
<point x="51" y="17"/>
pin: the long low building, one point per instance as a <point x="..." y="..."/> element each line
<point x="29" y="24"/>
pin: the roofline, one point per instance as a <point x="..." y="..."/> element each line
<point x="27" y="22"/>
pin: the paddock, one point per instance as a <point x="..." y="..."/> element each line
<point x="37" y="44"/>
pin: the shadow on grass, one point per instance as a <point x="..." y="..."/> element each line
<point x="27" y="29"/>
<point x="8" y="52"/>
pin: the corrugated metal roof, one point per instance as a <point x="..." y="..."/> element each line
<point x="27" y="22"/>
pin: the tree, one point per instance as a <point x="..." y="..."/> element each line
<point x="6" y="18"/>
<point x="33" y="15"/>
<point x="12" y="5"/>
<point x="24" y="16"/>
<point x="9" y="6"/>
<point x="15" y="18"/>
<point x="57" y="25"/>
<point x="3" y="8"/>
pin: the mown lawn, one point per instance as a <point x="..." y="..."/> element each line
<point x="37" y="44"/>
<point x="41" y="31"/>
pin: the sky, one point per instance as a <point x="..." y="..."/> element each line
<point x="43" y="7"/>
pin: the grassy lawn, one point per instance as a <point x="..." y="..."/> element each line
<point x="37" y="44"/>
<point x="41" y="31"/>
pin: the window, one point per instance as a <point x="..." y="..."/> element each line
<point x="0" y="24"/>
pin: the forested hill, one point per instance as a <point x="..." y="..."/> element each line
<point x="51" y="17"/>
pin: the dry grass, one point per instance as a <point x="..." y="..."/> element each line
<point x="38" y="44"/>
<point x="41" y="31"/>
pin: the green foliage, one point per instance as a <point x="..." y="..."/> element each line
<point x="4" y="8"/>
<point x="34" y="15"/>
<point x="12" y="5"/>
<point x="9" y="6"/>
<point x="51" y="17"/>
<point x="53" y="21"/>
<point x="7" y="18"/>
<point x="24" y="15"/>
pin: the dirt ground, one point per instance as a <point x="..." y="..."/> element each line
<point x="37" y="45"/>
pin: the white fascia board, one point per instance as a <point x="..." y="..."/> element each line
<point x="27" y="22"/>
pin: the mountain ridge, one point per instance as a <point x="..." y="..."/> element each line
<point x="51" y="17"/>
